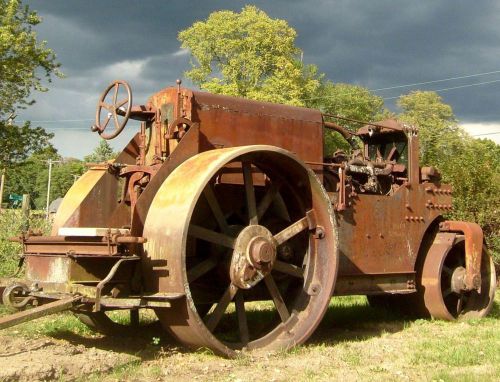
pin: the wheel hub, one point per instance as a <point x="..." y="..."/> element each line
<point x="253" y="256"/>
<point x="458" y="280"/>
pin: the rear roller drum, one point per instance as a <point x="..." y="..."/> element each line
<point x="248" y="237"/>
<point x="443" y="288"/>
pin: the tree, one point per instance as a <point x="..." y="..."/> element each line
<point x="19" y="142"/>
<point x="349" y="101"/>
<point x="250" y="55"/>
<point x="102" y="153"/>
<point x="64" y="174"/>
<point x="23" y="176"/>
<point x="24" y="61"/>
<point x="440" y="135"/>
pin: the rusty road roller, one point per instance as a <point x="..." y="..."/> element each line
<point x="225" y="217"/>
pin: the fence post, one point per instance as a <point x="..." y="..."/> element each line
<point x="25" y="207"/>
<point x="2" y="183"/>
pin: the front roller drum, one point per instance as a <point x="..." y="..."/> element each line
<point x="247" y="234"/>
<point x="443" y="286"/>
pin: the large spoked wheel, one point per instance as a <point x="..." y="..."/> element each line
<point x="116" y="100"/>
<point x="248" y="236"/>
<point x="443" y="286"/>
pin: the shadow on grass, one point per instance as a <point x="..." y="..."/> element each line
<point x="348" y="318"/>
<point x="351" y="318"/>
<point x="144" y="341"/>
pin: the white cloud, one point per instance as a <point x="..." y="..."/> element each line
<point x="180" y="53"/>
<point x="483" y="130"/>
<point x="131" y="69"/>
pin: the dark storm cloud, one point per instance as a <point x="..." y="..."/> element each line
<point x="372" y="43"/>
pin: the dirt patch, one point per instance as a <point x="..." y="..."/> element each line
<point x="43" y="359"/>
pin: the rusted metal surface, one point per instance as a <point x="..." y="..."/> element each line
<point x="473" y="250"/>
<point x="180" y="206"/>
<point x="445" y="293"/>
<point x="231" y="204"/>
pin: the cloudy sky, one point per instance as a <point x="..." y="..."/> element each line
<point x="452" y="46"/>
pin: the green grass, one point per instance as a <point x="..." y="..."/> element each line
<point x="12" y="224"/>
<point x="353" y="342"/>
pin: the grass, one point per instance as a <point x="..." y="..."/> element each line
<point x="353" y="343"/>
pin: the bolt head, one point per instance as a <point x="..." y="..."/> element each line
<point x="261" y="251"/>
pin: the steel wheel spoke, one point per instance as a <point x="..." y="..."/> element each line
<point x="211" y="236"/>
<point x="278" y="300"/>
<point x="242" y="318"/>
<point x="213" y="319"/>
<point x="292" y="230"/>
<point x="106" y="121"/>
<point x="250" y="193"/>
<point x="106" y="106"/>
<point x="201" y="268"/>
<point x="121" y="103"/>
<point x="117" y="123"/>
<point x="288" y="269"/>
<point x="216" y="209"/>
<point x="268" y="198"/>
<point x="115" y="94"/>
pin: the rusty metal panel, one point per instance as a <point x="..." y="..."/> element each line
<point x="93" y="200"/>
<point x="381" y="233"/>
<point x="61" y="269"/>
<point x="229" y="121"/>
<point x="375" y="284"/>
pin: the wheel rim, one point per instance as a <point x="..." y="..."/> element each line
<point x="268" y="286"/>
<point x="444" y="292"/>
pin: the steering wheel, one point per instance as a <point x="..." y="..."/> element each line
<point x="116" y="108"/>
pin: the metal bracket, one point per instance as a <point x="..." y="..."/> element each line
<point x="473" y="249"/>
<point x="111" y="274"/>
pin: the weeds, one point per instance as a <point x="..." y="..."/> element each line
<point x="12" y="224"/>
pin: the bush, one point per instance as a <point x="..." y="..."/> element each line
<point x="11" y="225"/>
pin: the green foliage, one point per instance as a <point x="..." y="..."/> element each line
<point x="349" y="101"/>
<point x="474" y="173"/>
<point x="11" y="225"/>
<point x="102" y="153"/>
<point x="250" y="55"/>
<point x="19" y="142"/>
<point x="24" y="61"/>
<point x="31" y="177"/>
<point x="64" y="175"/>
<point x="22" y="154"/>
<point x="440" y="136"/>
